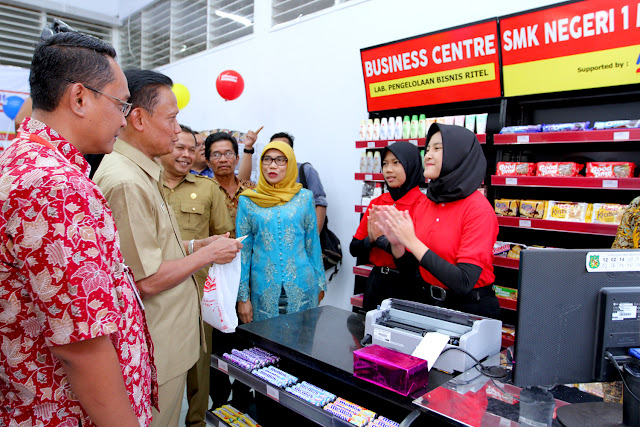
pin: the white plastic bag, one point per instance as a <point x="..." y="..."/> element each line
<point x="220" y="295"/>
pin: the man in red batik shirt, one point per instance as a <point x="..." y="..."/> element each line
<point x="74" y="345"/>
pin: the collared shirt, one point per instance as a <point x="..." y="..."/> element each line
<point x="205" y="172"/>
<point x="200" y="210"/>
<point x="232" y="200"/>
<point x="62" y="280"/>
<point x="149" y="234"/>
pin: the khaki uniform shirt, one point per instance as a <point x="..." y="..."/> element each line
<point x="149" y="234"/>
<point x="232" y="201"/>
<point x="200" y="210"/>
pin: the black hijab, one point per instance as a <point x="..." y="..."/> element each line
<point x="463" y="164"/>
<point x="409" y="156"/>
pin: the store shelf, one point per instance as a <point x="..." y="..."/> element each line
<point x="568" y="137"/>
<point x="506" y="342"/>
<point x="507" y="303"/>
<point x="362" y="270"/>
<point x="501" y="261"/>
<point x="419" y="142"/>
<point x="566" y="182"/>
<point x="377" y="177"/>
<point x="311" y="412"/>
<point x="361" y="208"/>
<point x="550" y="225"/>
<point x="212" y="420"/>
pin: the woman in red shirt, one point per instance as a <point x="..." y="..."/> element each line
<point x="403" y="173"/>
<point x="455" y="226"/>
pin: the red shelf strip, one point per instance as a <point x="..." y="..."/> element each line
<point x="361" y="208"/>
<point x="369" y="177"/>
<point x="357" y="300"/>
<point x="362" y="270"/>
<point x="507" y="303"/>
<point x="566" y="182"/>
<point x="550" y="225"/>
<point x="568" y="137"/>
<point x="505" y="262"/>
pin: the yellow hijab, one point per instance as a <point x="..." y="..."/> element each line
<point x="267" y="195"/>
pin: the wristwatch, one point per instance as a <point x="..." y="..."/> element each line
<point x="249" y="150"/>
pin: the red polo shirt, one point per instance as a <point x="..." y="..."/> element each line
<point x="463" y="231"/>
<point x="408" y="202"/>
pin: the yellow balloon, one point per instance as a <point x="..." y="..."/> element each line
<point x="182" y="94"/>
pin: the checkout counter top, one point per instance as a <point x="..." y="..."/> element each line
<point x="324" y="338"/>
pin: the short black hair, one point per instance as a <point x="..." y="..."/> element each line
<point x="68" y="56"/>
<point x="289" y="137"/>
<point x="187" y="129"/>
<point x="143" y="87"/>
<point x="219" y="136"/>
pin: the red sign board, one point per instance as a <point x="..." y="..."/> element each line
<point x="586" y="44"/>
<point x="449" y="66"/>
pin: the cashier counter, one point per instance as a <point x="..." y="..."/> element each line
<point x="317" y="346"/>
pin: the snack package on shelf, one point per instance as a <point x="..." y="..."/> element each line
<point x="532" y="208"/>
<point x="515" y="169"/>
<point x="566" y="211"/>
<point x="606" y="213"/>
<point x="514" y="252"/>
<point x="617" y="124"/>
<point x="557" y="169"/>
<point x="504" y="292"/>
<point x="610" y="169"/>
<point x="522" y="129"/>
<point x="507" y="207"/>
<point x="563" y="127"/>
<point x="501" y="248"/>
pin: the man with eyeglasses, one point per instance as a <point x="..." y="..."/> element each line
<point x="221" y="150"/>
<point x="75" y="345"/>
<point x="201" y="163"/>
<point x="199" y="207"/>
<point x="151" y="242"/>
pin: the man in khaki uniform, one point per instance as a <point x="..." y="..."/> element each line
<point x="200" y="210"/>
<point x="150" y="239"/>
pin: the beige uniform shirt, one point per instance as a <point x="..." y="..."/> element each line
<point x="199" y="207"/>
<point x="149" y="234"/>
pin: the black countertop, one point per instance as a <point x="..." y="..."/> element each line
<point x="324" y="339"/>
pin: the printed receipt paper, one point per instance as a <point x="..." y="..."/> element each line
<point x="430" y="347"/>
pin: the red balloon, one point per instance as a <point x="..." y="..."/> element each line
<point x="230" y="84"/>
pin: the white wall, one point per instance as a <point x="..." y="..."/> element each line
<point x="306" y="79"/>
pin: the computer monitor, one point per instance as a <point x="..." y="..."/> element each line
<point x="559" y="321"/>
<point x="574" y="305"/>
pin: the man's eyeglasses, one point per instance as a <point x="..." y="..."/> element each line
<point x="228" y="154"/>
<point x="125" y="106"/>
<point x="280" y="160"/>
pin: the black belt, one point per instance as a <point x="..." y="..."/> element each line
<point x="387" y="270"/>
<point x="441" y="294"/>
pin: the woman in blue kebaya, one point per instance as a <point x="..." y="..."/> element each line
<point x="282" y="270"/>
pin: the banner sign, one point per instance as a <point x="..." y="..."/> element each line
<point x="581" y="45"/>
<point x="449" y="66"/>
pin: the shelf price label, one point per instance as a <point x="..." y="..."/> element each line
<point x="522" y="138"/>
<point x="368" y="177"/>
<point x="371" y="144"/>
<point x="273" y="393"/>
<point x="414" y="142"/>
<point x="524" y="223"/>
<point x="222" y="365"/>
<point x="511" y="181"/>
<point x="609" y="183"/>
<point x="621" y="136"/>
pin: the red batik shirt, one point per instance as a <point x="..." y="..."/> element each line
<point x="62" y="280"/>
